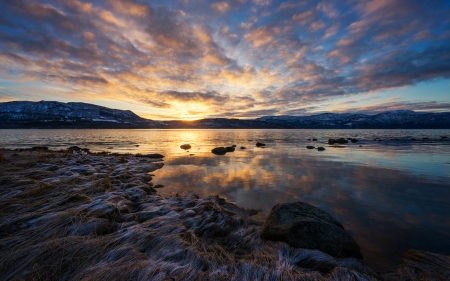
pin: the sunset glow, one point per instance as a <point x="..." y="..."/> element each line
<point x="192" y="59"/>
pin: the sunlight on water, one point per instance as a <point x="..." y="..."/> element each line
<point x="391" y="195"/>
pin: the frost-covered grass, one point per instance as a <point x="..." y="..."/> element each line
<point x="97" y="217"/>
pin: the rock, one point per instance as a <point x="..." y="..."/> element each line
<point x="338" y="141"/>
<point x="421" y="265"/>
<point x="444" y="137"/>
<point x="74" y="149"/>
<point x="309" y="139"/>
<point x="234" y="145"/>
<point x="243" y="147"/>
<point x="158" y="186"/>
<point x="314" y="139"/>
<point x="39" y="148"/>
<point x="219" y="150"/>
<point x="310" y="147"/>
<point x="425" y="138"/>
<point x="230" y="148"/>
<point x="304" y="226"/>
<point x="185" y="146"/>
<point x="153" y="155"/>
<point x="320" y="148"/>
<point x="413" y="139"/>
<point x="354" y="140"/>
<point x="259" y="144"/>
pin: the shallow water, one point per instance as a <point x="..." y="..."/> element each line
<point x="391" y="195"/>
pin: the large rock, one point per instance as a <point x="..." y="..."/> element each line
<point x="304" y="226"/>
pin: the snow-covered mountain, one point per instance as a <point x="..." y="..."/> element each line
<point x="52" y="114"/>
<point x="53" y="110"/>
<point x="72" y="114"/>
<point x="385" y="120"/>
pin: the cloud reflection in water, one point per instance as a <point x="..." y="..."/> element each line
<point x="387" y="210"/>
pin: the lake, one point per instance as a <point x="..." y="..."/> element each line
<point x="390" y="195"/>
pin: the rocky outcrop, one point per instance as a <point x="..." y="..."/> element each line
<point x="304" y="226"/>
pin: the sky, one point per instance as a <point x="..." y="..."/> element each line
<point x="192" y="59"/>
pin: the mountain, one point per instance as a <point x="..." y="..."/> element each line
<point x="52" y="114"/>
<point x="397" y="119"/>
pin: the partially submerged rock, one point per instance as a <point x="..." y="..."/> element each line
<point x="219" y="150"/>
<point x="338" y="141"/>
<point x="310" y="147"/>
<point x="259" y="144"/>
<point x="230" y="148"/>
<point x="353" y="140"/>
<point x="152" y="155"/>
<point x="320" y="148"/>
<point x="39" y="148"/>
<point x="304" y="226"/>
<point x="185" y="146"/>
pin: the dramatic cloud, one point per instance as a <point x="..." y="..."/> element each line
<point x="239" y="58"/>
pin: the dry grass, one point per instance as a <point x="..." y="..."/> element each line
<point x="2" y="157"/>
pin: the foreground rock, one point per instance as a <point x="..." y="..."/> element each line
<point x="304" y="226"/>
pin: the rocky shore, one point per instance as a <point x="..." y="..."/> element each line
<point x="74" y="215"/>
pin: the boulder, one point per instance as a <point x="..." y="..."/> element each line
<point x="354" y="140"/>
<point x="320" y="148"/>
<point x="230" y="148"/>
<point x="259" y="144"/>
<point x="219" y="150"/>
<point x="310" y="147"/>
<point x="314" y="139"/>
<point x="185" y="146"/>
<point x="243" y="147"/>
<point x="304" y="226"/>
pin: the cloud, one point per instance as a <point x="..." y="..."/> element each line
<point x="221" y="7"/>
<point x="259" y="56"/>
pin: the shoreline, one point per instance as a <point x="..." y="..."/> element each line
<point x="87" y="216"/>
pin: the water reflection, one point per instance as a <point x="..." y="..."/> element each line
<point x="386" y="210"/>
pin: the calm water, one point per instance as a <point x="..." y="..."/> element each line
<point x="391" y="195"/>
